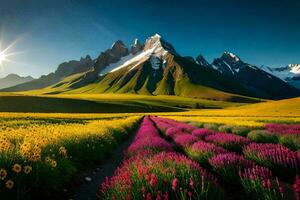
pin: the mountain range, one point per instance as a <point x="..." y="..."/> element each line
<point x="156" y="68"/>
<point x="289" y="73"/>
<point x="13" y="79"/>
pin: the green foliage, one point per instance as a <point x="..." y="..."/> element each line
<point x="290" y="141"/>
<point x="211" y="126"/>
<point x="198" y="124"/>
<point x="256" y="191"/>
<point x="225" y="128"/>
<point x="262" y="136"/>
<point x="240" y="130"/>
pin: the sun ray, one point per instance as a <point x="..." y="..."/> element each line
<point x="12" y="45"/>
<point x="15" y="53"/>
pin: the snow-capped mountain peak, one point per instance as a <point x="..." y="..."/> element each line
<point x="289" y="73"/>
<point x="155" y="49"/>
<point x="159" y="46"/>
<point x="136" y="47"/>
<point x="284" y="73"/>
<point x="229" y="63"/>
<point x="136" y="41"/>
<point x="117" y="44"/>
<point x="231" y="56"/>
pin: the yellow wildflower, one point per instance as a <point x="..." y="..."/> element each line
<point x="3" y="174"/>
<point x="17" y="168"/>
<point x="53" y="163"/>
<point x="9" y="184"/>
<point x="27" y="169"/>
<point x="63" y="151"/>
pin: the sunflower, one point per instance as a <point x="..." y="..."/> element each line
<point x="9" y="184"/>
<point x="27" y="169"/>
<point x="17" y="168"/>
<point x="53" y="163"/>
<point x="3" y="174"/>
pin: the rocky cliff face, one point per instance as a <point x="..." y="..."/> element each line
<point x="136" y="47"/>
<point x="72" y="67"/>
<point x="112" y="55"/>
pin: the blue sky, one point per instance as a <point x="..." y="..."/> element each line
<point x="50" y="32"/>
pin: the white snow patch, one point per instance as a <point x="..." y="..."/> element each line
<point x="156" y="35"/>
<point x="203" y="63"/>
<point x="252" y="67"/>
<point x="232" y="56"/>
<point x="228" y="66"/>
<point x="215" y="67"/>
<point x="164" y="63"/>
<point x="115" y="65"/>
<point x="113" y="45"/>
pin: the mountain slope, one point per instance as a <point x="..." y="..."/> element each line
<point x="257" y="81"/>
<point x="289" y="73"/>
<point x="13" y="79"/>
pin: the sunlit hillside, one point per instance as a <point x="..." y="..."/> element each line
<point x="284" y="111"/>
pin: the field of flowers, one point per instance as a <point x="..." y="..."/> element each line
<point x="168" y="159"/>
<point x="42" y="154"/>
<point x="175" y="160"/>
<point x="154" y="170"/>
<point x="264" y="170"/>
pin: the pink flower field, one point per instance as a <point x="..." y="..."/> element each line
<point x="173" y="160"/>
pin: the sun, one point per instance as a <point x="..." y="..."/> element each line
<point x="2" y="57"/>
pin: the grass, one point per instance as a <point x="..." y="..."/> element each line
<point x="103" y="103"/>
<point x="142" y="81"/>
<point x="253" y="115"/>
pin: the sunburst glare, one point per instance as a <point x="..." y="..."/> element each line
<point x="2" y="57"/>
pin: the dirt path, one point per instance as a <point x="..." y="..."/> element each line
<point x="91" y="179"/>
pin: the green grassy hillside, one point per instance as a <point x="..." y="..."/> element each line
<point x="103" y="103"/>
<point x="283" y="111"/>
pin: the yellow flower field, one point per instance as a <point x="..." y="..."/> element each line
<point x="36" y="151"/>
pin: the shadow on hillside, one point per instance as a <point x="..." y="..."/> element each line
<point x="63" y="105"/>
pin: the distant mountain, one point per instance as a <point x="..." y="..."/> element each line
<point x="156" y="68"/>
<point x="13" y="79"/>
<point x="64" y="70"/>
<point x="289" y="73"/>
<point x="256" y="80"/>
